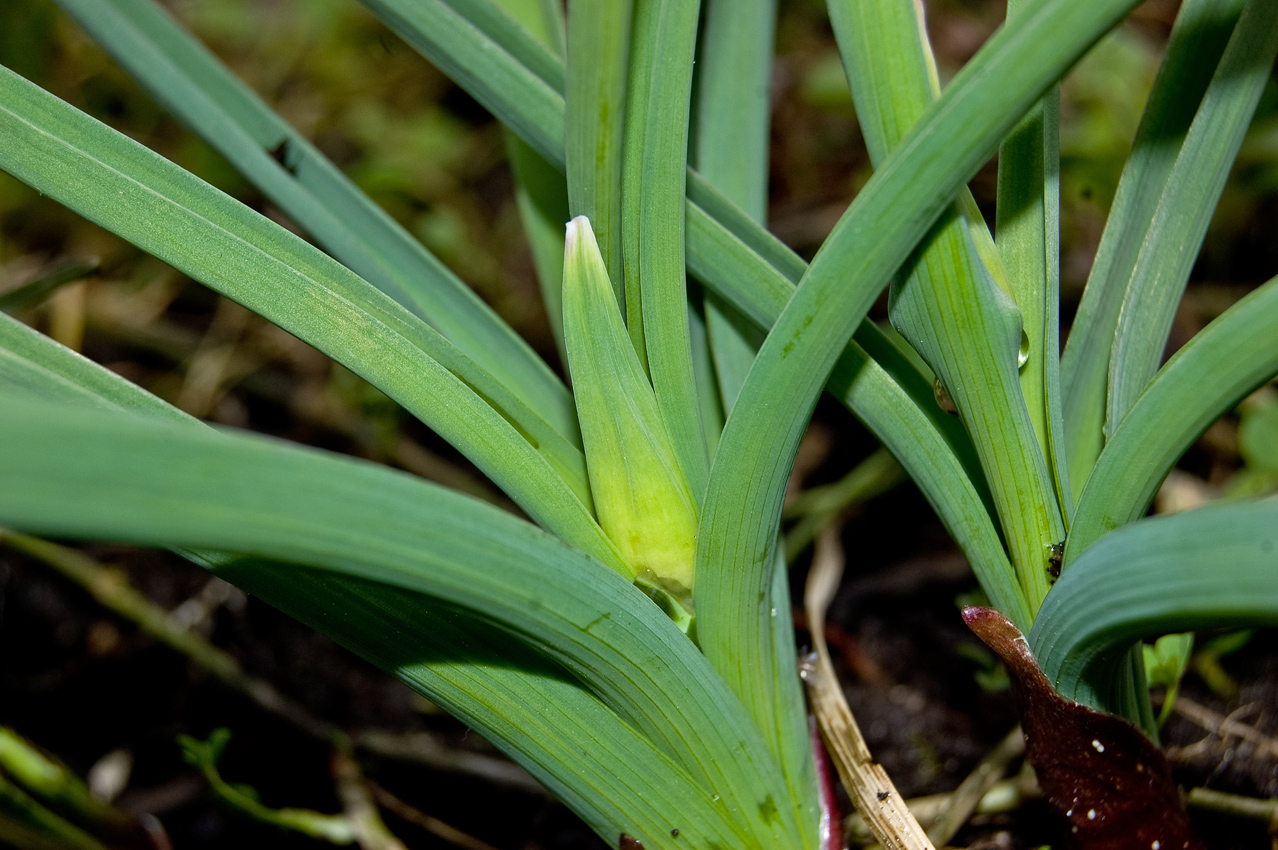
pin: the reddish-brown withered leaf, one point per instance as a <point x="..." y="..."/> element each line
<point x="1110" y="782"/>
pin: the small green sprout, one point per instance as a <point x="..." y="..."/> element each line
<point x="641" y="495"/>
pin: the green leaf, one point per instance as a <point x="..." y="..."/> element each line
<point x="894" y="210"/>
<point x="756" y="272"/>
<point x="877" y="382"/>
<point x="719" y="248"/>
<point x="1214" y="567"/>
<point x="598" y="58"/>
<point x="580" y="749"/>
<point x="34" y="366"/>
<point x="162" y="209"/>
<point x="513" y="34"/>
<point x="542" y="198"/>
<point x="734" y="79"/>
<point x="663" y="39"/>
<point x="550" y="724"/>
<point x="732" y="118"/>
<point x="1193" y="51"/>
<point x="1185" y="209"/>
<point x="1028" y="227"/>
<point x="540" y="190"/>
<point x="75" y="474"/>
<point x="733" y="110"/>
<point x="1204" y="380"/>
<point x="945" y="301"/>
<point x="192" y="83"/>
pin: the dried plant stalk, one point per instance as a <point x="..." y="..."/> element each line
<point x="867" y="783"/>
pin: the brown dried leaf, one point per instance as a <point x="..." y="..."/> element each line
<point x="1109" y="781"/>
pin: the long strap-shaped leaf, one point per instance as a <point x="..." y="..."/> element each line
<point x="885" y="405"/>
<point x="182" y="220"/>
<point x="1185" y="209"/>
<point x="592" y="760"/>
<point x="946" y="301"/>
<point x="722" y="234"/>
<point x="1208" y="568"/>
<point x="1204" y="380"/>
<point x="33" y="365"/>
<point x="598" y="58"/>
<point x="500" y="22"/>
<point x="540" y="190"/>
<point x="750" y="268"/>
<point x="553" y="726"/>
<point x="1193" y="51"/>
<point x="663" y="40"/>
<point x="734" y="78"/>
<point x="192" y="83"/>
<point x="72" y="473"/>
<point x="894" y="401"/>
<point x="734" y="72"/>
<point x="1029" y="235"/>
<point x="894" y="210"/>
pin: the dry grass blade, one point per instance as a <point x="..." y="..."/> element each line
<point x="865" y="780"/>
<point x="432" y="825"/>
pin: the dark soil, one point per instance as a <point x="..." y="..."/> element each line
<point x="82" y="683"/>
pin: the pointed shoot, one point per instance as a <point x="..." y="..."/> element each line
<point x="641" y="495"/>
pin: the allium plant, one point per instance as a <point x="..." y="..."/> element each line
<point x="630" y="642"/>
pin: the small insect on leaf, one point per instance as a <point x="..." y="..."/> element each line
<point x="1055" y="557"/>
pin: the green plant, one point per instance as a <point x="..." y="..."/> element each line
<point x="688" y="734"/>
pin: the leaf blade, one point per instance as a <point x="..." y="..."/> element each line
<point x="196" y="87"/>
<point x="1193" y="51"/>
<point x="1203" y="381"/>
<point x="121" y="185"/>
<point x="1185" y="210"/>
<point x="1211" y="567"/>
<point x="176" y="487"/>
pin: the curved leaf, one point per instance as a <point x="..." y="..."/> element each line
<point x="76" y="474"/>
<point x="1208" y="376"/>
<point x="946" y="300"/>
<point x="755" y="272"/>
<point x="33" y="365"/>
<point x="895" y="209"/>
<point x="1213" y="567"/>
<point x="187" y="79"/>
<point x="598" y="56"/>
<point x="597" y="764"/>
<point x="1194" y="184"/>
<point x="663" y="39"/>
<point x="610" y="774"/>
<point x="1197" y="39"/>
<point x="166" y="211"/>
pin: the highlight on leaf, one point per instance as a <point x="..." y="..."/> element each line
<point x="641" y="495"/>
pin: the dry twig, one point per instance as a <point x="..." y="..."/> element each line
<point x="866" y="781"/>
